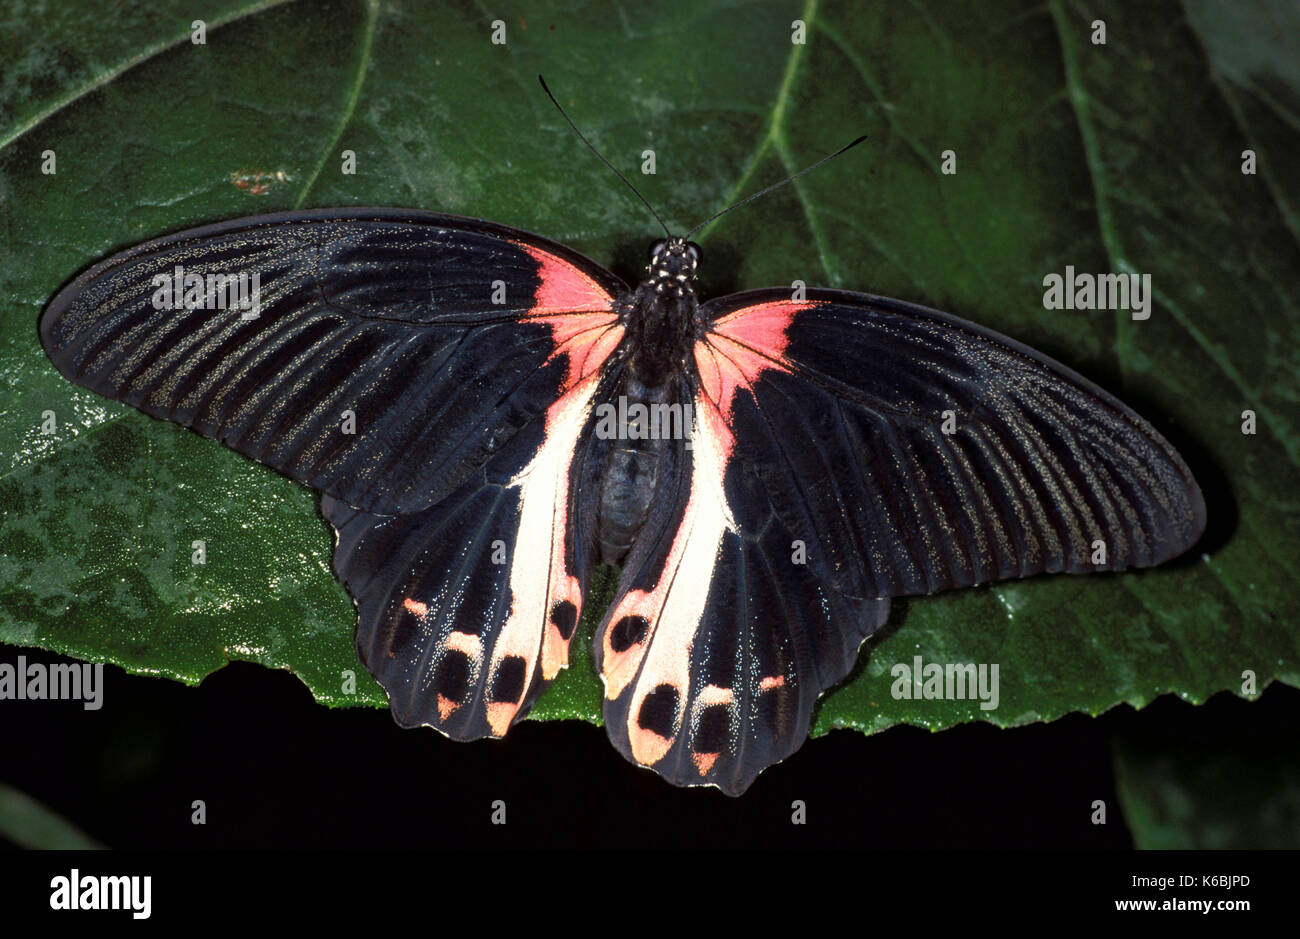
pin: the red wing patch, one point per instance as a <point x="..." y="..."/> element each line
<point x="564" y="288"/>
<point x="580" y="312"/>
<point x="738" y="348"/>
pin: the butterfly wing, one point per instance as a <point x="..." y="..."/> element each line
<point x="720" y="638"/>
<point x="466" y="608"/>
<point x="392" y="351"/>
<point x="915" y="451"/>
<point x="469" y="356"/>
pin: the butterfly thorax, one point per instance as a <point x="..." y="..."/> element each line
<point x="661" y="315"/>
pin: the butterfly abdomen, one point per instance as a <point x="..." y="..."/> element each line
<point x="644" y="425"/>
<point x="625" y="497"/>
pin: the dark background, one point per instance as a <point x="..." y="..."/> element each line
<point x="278" y="770"/>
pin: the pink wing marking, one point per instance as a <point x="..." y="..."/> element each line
<point x="540" y="582"/>
<point x="580" y="312"/>
<point x="674" y="607"/>
<point x="564" y="288"/>
<point x="709" y="696"/>
<point x="738" y="348"/>
<point x="470" y="646"/>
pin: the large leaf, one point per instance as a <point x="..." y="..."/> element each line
<point x="1118" y="157"/>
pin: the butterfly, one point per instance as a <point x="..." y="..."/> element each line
<point x="489" y="415"/>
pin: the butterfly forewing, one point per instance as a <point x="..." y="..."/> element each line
<point x="917" y="452"/>
<point x="387" y="355"/>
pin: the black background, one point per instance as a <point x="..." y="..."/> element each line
<point x="277" y="770"/>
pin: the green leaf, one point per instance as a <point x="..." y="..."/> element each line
<point x="1118" y="157"/>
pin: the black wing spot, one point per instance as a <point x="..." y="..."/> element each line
<point x="777" y="710"/>
<point x="714" y="729"/>
<point x="659" y="711"/>
<point x="564" y="616"/>
<point x="452" y="676"/>
<point x="627" y="632"/>
<point x="508" y="683"/>
<point x="404" y="633"/>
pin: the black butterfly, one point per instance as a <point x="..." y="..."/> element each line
<point x="489" y="415"/>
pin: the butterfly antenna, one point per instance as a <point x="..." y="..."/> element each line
<point x="603" y="160"/>
<point x="844" y="149"/>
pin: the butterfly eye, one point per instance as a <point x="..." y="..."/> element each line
<point x="658" y="247"/>
<point x="696" y="254"/>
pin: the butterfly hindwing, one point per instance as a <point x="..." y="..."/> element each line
<point x="720" y="639"/>
<point x="390" y="354"/>
<point x="917" y="452"/>
<point x="466" y="609"/>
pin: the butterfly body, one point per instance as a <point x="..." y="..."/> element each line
<point x="472" y="403"/>
<point x="661" y="324"/>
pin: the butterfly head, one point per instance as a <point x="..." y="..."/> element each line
<point x="673" y="262"/>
